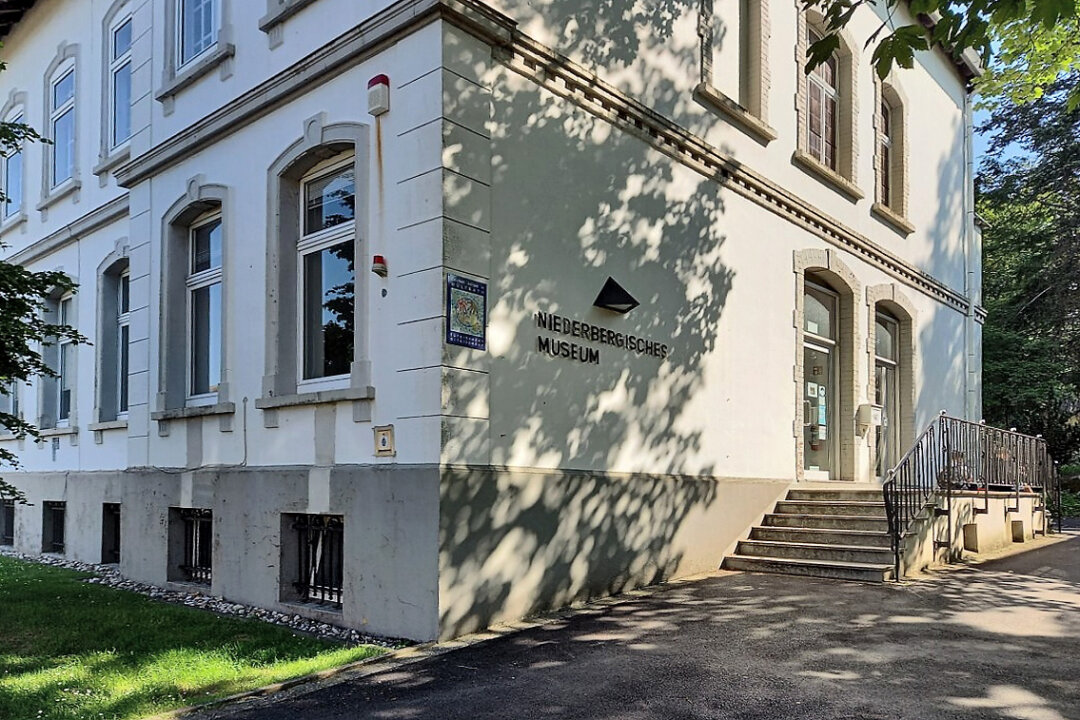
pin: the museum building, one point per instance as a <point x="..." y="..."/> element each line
<point x="422" y="315"/>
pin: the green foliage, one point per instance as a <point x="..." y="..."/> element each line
<point x="1026" y="45"/>
<point x="23" y="325"/>
<point x="1031" y="266"/>
<point x="1070" y="504"/>
<point x="74" y="650"/>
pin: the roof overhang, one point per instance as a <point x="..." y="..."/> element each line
<point x="11" y="12"/>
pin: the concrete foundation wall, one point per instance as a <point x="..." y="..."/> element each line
<point x="517" y="542"/>
<point x="992" y="529"/>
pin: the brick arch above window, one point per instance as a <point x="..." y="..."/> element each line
<point x="841" y="174"/>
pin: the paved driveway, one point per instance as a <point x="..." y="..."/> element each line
<point x="998" y="641"/>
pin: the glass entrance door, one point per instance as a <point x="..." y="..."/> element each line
<point x="819" y="411"/>
<point x="886" y="393"/>
<point x="820" y="396"/>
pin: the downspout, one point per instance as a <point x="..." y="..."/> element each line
<point x="971" y="265"/>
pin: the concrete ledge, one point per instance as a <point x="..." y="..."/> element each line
<point x="58" y="193"/>
<point x="108" y="425"/>
<point x="829" y="176"/>
<point x="105" y="164"/>
<point x="895" y="221"/>
<point x="170" y="88"/>
<point x="739" y="116"/>
<point x="227" y="408"/>
<point x="319" y="397"/>
<point x="59" y="431"/>
<point x="276" y="17"/>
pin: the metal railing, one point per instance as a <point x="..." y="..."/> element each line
<point x="321" y="540"/>
<point x="954" y="455"/>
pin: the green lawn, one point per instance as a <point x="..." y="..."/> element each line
<point x="74" y="650"/>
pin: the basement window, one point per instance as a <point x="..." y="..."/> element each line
<point x="110" y="533"/>
<point x="313" y="553"/>
<point x="52" y="527"/>
<point x="191" y="542"/>
<point x="7" y="522"/>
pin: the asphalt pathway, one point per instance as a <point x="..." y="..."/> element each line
<point x="1000" y="640"/>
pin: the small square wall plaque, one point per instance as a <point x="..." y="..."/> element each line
<point x="384" y="441"/>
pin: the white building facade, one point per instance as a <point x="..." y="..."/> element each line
<point x="422" y="315"/>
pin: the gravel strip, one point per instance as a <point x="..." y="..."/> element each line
<point x="109" y="575"/>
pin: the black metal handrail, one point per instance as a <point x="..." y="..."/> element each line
<point x="958" y="455"/>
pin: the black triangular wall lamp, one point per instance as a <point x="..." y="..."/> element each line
<point x="615" y="298"/>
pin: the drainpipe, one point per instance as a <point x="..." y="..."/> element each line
<point x="972" y="264"/>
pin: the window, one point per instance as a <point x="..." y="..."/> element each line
<point x="9" y="399"/>
<point x="7" y="522"/>
<point x="62" y="125"/>
<point x="822" y="102"/>
<point x="13" y="177"/>
<point x="204" y="308"/>
<point x="123" y="323"/>
<point x="52" y="527"/>
<point x="886" y="151"/>
<point x="110" y="533"/>
<point x="65" y="381"/>
<point x="326" y="249"/>
<point x="319" y="548"/>
<point x="197" y="26"/>
<point x="120" y="83"/>
<point x="887" y="391"/>
<point x="191" y="541"/>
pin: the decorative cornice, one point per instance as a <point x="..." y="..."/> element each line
<point x="107" y="213"/>
<point x="556" y="73"/>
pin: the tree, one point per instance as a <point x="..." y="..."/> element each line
<point x="1024" y="44"/>
<point x="1029" y="192"/>
<point x="23" y="323"/>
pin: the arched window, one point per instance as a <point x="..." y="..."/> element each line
<point x="114" y="302"/>
<point x="827" y="111"/>
<point x="11" y="160"/>
<point x="890" y="158"/>
<point x="316" y="342"/>
<point x="822" y="96"/>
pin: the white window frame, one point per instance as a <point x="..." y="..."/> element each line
<point x="115" y="65"/>
<point x="215" y="29"/>
<point x="56" y="113"/>
<point x="64" y="308"/>
<point x="313" y="243"/>
<point x="123" y="323"/>
<point x="885" y="180"/>
<point x="11" y="400"/>
<point x="197" y="281"/>
<point x="14" y="205"/>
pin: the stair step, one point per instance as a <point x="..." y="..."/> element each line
<point x="835" y="522"/>
<point x="864" y="572"/>
<point x="858" y="495"/>
<point x="826" y="536"/>
<point x="831" y="507"/>
<point x="815" y="551"/>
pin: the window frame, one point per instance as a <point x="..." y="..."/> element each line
<point x="66" y="68"/>
<point x="885" y="148"/>
<point x="194" y="281"/>
<point x="123" y="342"/>
<point x="65" y="305"/>
<point x="14" y="205"/>
<point x="830" y="100"/>
<point x="182" y="63"/>
<point x="114" y="65"/>
<point x="316" y="242"/>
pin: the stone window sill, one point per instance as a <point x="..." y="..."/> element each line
<point x="314" y="611"/>
<point x="226" y="408"/>
<point x="107" y="163"/>
<point x="108" y="425"/>
<point x="58" y="432"/>
<point x="320" y="397"/>
<point x="8" y="437"/>
<point x="59" y="192"/>
<point x="12" y="222"/>
<point x="739" y="116"/>
<point x="895" y="220"/>
<point x="830" y="177"/>
<point x="189" y="75"/>
<point x="286" y="9"/>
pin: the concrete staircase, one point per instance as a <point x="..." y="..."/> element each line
<point x="836" y="532"/>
